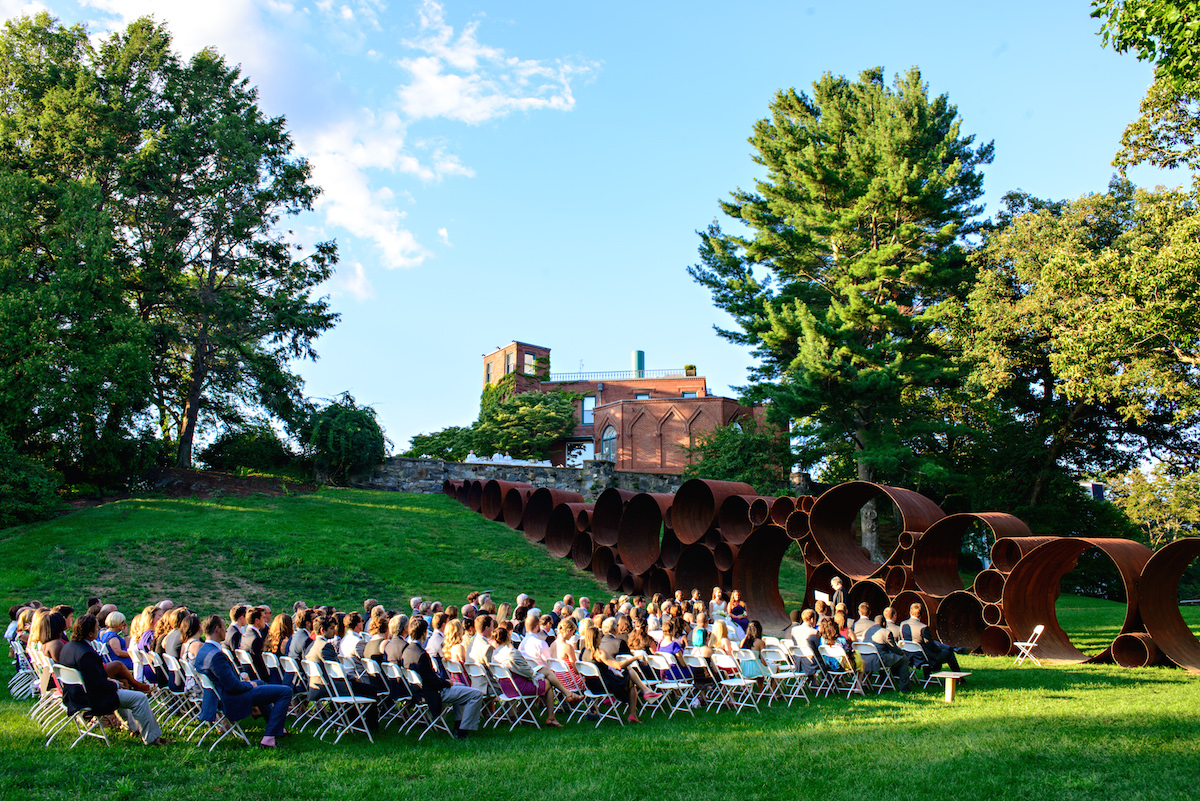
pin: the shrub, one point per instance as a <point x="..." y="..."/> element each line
<point x="344" y="438"/>
<point x="257" y="447"/>
<point x="27" y="488"/>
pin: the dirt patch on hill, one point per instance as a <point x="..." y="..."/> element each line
<point x="210" y="483"/>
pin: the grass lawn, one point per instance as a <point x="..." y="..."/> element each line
<point x="1084" y="731"/>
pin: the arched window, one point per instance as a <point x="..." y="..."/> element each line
<point x="608" y="444"/>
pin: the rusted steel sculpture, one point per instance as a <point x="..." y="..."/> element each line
<point x="698" y="504"/>
<point x="639" y="535"/>
<point x="1008" y="551"/>
<point x="606" y="516"/>
<point x="756" y="574"/>
<point x="1159" y="585"/>
<point x="929" y="605"/>
<point x="475" y="496"/>
<point x="660" y="580"/>
<point x="581" y="550"/>
<point x="797" y="525"/>
<point x="935" y="552"/>
<point x="450" y="488"/>
<point x="1033" y="586"/>
<point x="563" y="527"/>
<point x="868" y="591"/>
<point x="603" y="559"/>
<point x="960" y="620"/>
<point x="997" y="641"/>
<point x="993" y="614"/>
<point x="781" y="508"/>
<point x="696" y="570"/>
<point x="724" y="555"/>
<point x="538" y="508"/>
<point x="832" y="517"/>
<point x="491" y="504"/>
<point x="462" y="492"/>
<point x="733" y="519"/>
<point x="670" y="550"/>
<point x="514" y="507"/>
<point x="1135" y="649"/>
<point x="898" y="579"/>
<point x="989" y="586"/>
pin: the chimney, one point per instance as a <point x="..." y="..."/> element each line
<point x="639" y="363"/>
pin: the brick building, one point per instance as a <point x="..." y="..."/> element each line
<point x="642" y="420"/>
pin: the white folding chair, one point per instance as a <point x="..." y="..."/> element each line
<point x="734" y="688"/>
<point x="1026" y="648"/>
<point x="782" y="676"/>
<point x="23" y="683"/>
<point x="511" y="697"/>
<point x="601" y="704"/>
<point x="432" y="721"/>
<point x="843" y="679"/>
<point x="86" y="723"/>
<point x="917" y="662"/>
<point x="678" y="689"/>
<point x="222" y="723"/>
<point x="482" y="680"/>
<point x="347" y="706"/>
<point x="881" y="676"/>
<point x="404" y="711"/>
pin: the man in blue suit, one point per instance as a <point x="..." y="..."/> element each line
<point x="237" y="697"/>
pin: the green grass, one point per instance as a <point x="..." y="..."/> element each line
<point x="1072" y="732"/>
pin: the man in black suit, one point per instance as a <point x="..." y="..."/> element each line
<point x="237" y="620"/>
<point x="467" y="701"/>
<point x="100" y="693"/>
<point x="252" y="643"/>
<point x="890" y="654"/>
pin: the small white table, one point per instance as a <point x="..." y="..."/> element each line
<point x="950" y="677"/>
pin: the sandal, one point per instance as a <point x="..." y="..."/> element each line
<point x="633" y="719"/>
<point x="554" y="724"/>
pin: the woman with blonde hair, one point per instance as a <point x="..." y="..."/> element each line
<point x="563" y="650"/>
<point x="454" y="649"/>
<point x="114" y="624"/>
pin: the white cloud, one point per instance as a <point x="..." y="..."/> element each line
<point x="17" y="8"/>
<point x="462" y="79"/>
<point x="356" y="282"/>
<point x="444" y="235"/>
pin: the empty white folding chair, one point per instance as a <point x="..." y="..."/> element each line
<point x="86" y="724"/>
<point x="348" y="707"/>
<point x="23" y="683"/>
<point x="784" y="679"/>
<point x="1025" y="649"/>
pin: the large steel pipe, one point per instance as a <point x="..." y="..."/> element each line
<point x="805" y="503"/>
<point x="462" y="493"/>
<point x="781" y="508"/>
<point x="1008" y="551"/>
<point x="561" y="529"/>
<point x="935" y="552"/>
<point x="639" y="534"/>
<point x="696" y="571"/>
<point x="670" y="549"/>
<point x="539" y="507"/>
<point x="756" y="574"/>
<point x="898" y="579"/>
<point x="797" y="525"/>
<point x="997" y="641"/>
<point x="868" y="591"/>
<point x="734" y="518"/>
<point x="581" y="550"/>
<point x="724" y="555"/>
<point x="491" y="503"/>
<point x="632" y="584"/>
<point x="602" y="560"/>
<point x="698" y="504"/>
<point x="660" y="581"/>
<point x="616" y="576"/>
<point x="960" y="620"/>
<point x="993" y="614"/>
<point x="1159" y="586"/>
<point x="1033" y="586"/>
<point x="1135" y="649"/>
<point x="832" y="518"/>
<point x="902" y="605"/>
<point x="989" y="586"/>
<point x="475" y="496"/>
<point x="817" y="576"/>
<point x="514" y="507"/>
<point x="760" y="511"/>
<point x="606" y="516"/>
<point x="450" y="488"/>
<point x="812" y="553"/>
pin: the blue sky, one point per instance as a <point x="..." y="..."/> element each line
<point x="538" y="170"/>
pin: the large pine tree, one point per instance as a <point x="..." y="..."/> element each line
<point x="851" y="258"/>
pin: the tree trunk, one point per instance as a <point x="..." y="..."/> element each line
<point x="1057" y="445"/>
<point x="869" y="516"/>
<point x="191" y="409"/>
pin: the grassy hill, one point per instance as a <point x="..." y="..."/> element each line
<point x="1068" y="732"/>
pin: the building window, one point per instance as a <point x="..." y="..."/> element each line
<point x="508" y="363"/>
<point x="641" y="396"/>
<point x="689" y="394"/>
<point x="488" y="372"/>
<point x="530" y="366"/>
<point x="608" y="444"/>
<point x="589" y="409"/>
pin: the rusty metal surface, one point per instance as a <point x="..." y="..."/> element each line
<point x="581" y="550"/>
<point x="868" y="591"/>
<point x="1033" y="586"/>
<point x="696" y="570"/>
<point x="724" y="555"/>
<point x="812" y="553"/>
<point x="997" y="641"/>
<point x="462" y="492"/>
<point x="583" y="520"/>
<point x="993" y="614"/>
<point x="514" y="507"/>
<point x="805" y="503"/>
<point x="450" y="488"/>
<point x="670" y="549"/>
<point x="797" y="525"/>
<point x="782" y="507"/>
<point x="1008" y="551"/>
<point x="935" y="552"/>
<point x="491" y="504"/>
<point x="733" y="518"/>
<point x="899" y="578"/>
<point x="698" y="504"/>
<point x="606" y="517"/>
<point x="538" y="508"/>
<point x="711" y="538"/>
<point x="1135" y="649"/>
<point x="561" y="529"/>
<point x="817" y="576"/>
<point x="960" y="620"/>
<point x="632" y="584"/>
<point x="989" y="586"/>
<point x="760" y="511"/>
<point x="639" y="534"/>
<point x="755" y="575"/>
<point x="1160" y="602"/>
<point x="603" y="558"/>
<point x="474" y="495"/>
<point x="615" y="576"/>
<point x="832" y="517"/>
<point x="660" y="581"/>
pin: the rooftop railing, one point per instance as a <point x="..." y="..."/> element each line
<point x="619" y="375"/>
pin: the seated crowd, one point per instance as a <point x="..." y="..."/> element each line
<point x="540" y="653"/>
